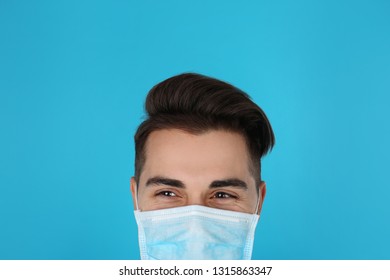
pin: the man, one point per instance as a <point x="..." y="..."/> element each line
<point x="197" y="188"/>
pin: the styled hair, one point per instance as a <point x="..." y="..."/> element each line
<point x="196" y="104"/>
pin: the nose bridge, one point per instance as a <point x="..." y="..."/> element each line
<point x="196" y="198"/>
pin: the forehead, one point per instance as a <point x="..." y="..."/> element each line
<point x="215" y="153"/>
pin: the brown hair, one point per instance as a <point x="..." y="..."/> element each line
<point x="195" y="103"/>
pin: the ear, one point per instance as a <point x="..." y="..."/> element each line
<point x="133" y="190"/>
<point x="262" y="192"/>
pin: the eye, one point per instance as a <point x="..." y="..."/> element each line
<point x="223" y="195"/>
<point x="166" y="194"/>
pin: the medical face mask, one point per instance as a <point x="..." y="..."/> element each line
<point x="195" y="233"/>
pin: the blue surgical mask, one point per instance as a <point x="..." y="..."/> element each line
<point x="195" y="233"/>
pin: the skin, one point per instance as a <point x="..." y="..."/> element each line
<point x="210" y="169"/>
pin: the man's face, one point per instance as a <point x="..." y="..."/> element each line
<point x="210" y="169"/>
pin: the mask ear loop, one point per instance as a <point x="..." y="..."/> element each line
<point x="136" y="197"/>
<point x="257" y="205"/>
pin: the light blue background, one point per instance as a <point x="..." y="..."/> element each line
<point x="73" y="78"/>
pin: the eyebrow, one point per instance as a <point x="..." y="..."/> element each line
<point x="165" y="181"/>
<point x="231" y="182"/>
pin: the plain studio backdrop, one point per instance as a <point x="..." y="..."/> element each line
<point x="73" y="78"/>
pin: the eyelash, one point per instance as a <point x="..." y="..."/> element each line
<point x="164" y="194"/>
<point x="222" y="195"/>
<point x="230" y="196"/>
